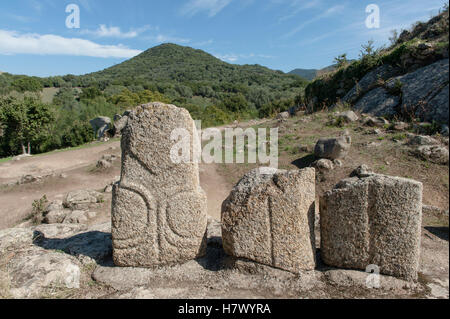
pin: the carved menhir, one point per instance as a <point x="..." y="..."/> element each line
<point x="269" y="219"/>
<point x="158" y="208"/>
<point x="373" y="220"/>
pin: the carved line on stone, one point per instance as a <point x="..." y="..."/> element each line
<point x="141" y="163"/>
<point x="149" y="202"/>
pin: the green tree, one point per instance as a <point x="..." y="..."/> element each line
<point x="27" y="84"/>
<point x="341" y="61"/>
<point x="26" y="124"/>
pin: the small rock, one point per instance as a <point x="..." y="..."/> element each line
<point x="323" y="165"/>
<point x="76" y="217"/>
<point x="348" y="116"/>
<point x="283" y="116"/>
<point x="362" y="171"/>
<point x="56" y="216"/>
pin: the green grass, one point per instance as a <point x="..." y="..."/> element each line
<point x="5" y="159"/>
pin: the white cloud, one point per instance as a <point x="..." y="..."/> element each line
<point x="297" y="6"/>
<point x="212" y="7"/>
<point x="115" y="32"/>
<point x="235" y="57"/>
<point x="12" y="42"/>
<point x="332" y="10"/>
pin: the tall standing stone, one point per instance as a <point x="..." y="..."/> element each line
<point x="158" y="207"/>
<point x="373" y="220"/>
<point x="269" y="219"/>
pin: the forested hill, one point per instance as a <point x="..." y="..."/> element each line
<point x="213" y="91"/>
<point x="171" y="62"/>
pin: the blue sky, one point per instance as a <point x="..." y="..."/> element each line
<point x="280" y="34"/>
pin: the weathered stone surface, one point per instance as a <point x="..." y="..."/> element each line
<point x="76" y="217"/>
<point x="425" y="92"/>
<point x="56" y="216"/>
<point x="378" y="102"/>
<point x="433" y="153"/>
<point x="158" y="207"/>
<point x="269" y="218"/>
<point x="283" y="116"/>
<point x="12" y="238"/>
<point x="372" y="121"/>
<point x="369" y="81"/>
<point x="333" y="148"/>
<point x="348" y="116"/>
<point x="82" y="199"/>
<point x="33" y="271"/>
<point x="323" y="165"/>
<point x="374" y="220"/>
<point x="421" y="140"/>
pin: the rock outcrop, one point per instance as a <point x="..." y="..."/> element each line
<point x="158" y="206"/>
<point x="373" y="220"/>
<point x="269" y="219"/>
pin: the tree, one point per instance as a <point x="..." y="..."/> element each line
<point x="368" y="49"/>
<point x="341" y="60"/>
<point x="27" y="84"/>
<point x="26" y="124"/>
<point x="394" y="37"/>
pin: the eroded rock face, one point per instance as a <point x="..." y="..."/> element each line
<point x="425" y="92"/>
<point x="269" y="219"/>
<point x="369" y="81"/>
<point x="375" y="220"/>
<point x="158" y="207"/>
<point x="378" y="102"/>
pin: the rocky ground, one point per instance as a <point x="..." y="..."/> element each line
<point x="72" y="258"/>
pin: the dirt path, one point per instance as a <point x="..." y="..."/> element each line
<point x="57" y="162"/>
<point x="76" y="165"/>
<point x="216" y="188"/>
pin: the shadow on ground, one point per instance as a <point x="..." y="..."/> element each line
<point x="96" y="245"/>
<point x="441" y="232"/>
<point x="305" y="162"/>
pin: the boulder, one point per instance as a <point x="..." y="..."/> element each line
<point x="56" y="216"/>
<point x="333" y="148"/>
<point x="348" y="116"/>
<point x="372" y="121"/>
<point x="158" y="207"/>
<point x="100" y="125"/>
<point x="433" y="153"/>
<point x="269" y="219"/>
<point x="421" y="140"/>
<point x="82" y="199"/>
<point x="374" y="220"/>
<point x="76" y="217"/>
